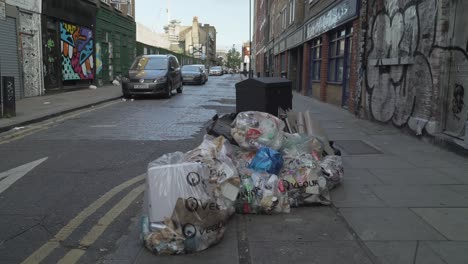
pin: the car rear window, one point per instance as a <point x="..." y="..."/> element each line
<point x="146" y="63"/>
<point x="190" y="68"/>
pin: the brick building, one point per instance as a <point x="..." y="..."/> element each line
<point x="311" y="43"/>
<point x="398" y="62"/>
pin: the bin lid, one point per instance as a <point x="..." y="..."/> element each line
<point x="265" y="82"/>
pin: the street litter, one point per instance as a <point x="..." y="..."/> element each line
<point x="46" y="103"/>
<point x="252" y="163"/>
<point x="93" y="87"/>
<point x="116" y="83"/>
<point x="18" y="128"/>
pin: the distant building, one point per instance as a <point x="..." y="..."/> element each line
<point x="197" y="40"/>
<point x="147" y="36"/>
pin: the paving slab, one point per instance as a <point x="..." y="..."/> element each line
<point x="360" y="177"/>
<point x="307" y="252"/>
<point x="355" y="196"/>
<point x="419" y="196"/>
<point x="393" y="252"/>
<point x="422" y="176"/>
<point x="458" y="172"/>
<point x="376" y="162"/>
<point x="451" y="222"/>
<point x="389" y="224"/>
<point x="442" y="252"/>
<point x="302" y="224"/>
<point x="460" y="189"/>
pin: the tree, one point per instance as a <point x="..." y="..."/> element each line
<point x="233" y="58"/>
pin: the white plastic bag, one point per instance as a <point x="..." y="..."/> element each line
<point x="252" y="130"/>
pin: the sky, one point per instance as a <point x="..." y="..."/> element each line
<point x="230" y="17"/>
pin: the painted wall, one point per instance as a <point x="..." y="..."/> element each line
<point x="408" y="52"/>
<point x="77" y="46"/>
<point x="31" y="55"/>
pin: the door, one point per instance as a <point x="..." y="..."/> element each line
<point x="457" y="95"/>
<point x="9" y="59"/>
<point x="51" y="51"/>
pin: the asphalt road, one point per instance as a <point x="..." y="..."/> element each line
<point x="68" y="186"/>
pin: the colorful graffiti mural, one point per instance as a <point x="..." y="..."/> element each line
<point x="77" y="52"/>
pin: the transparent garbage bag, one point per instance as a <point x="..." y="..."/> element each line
<point x="332" y="170"/>
<point x="295" y="144"/>
<point x="183" y="213"/>
<point x="252" y="130"/>
<point x="261" y="193"/>
<point x="216" y="153"/>
<point x="302" y="179"/>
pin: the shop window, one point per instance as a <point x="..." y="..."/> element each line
<point x="316" y="58"/>
<point x="340" y="43"/>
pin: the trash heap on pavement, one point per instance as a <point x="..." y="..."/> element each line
<point x="261" y="165"/>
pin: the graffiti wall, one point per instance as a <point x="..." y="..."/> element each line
<point x="77" y="46"/>
<point x="408" y="51"/>
<point x="30" y="39"/>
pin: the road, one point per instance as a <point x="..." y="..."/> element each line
<point x="70" y="187"/>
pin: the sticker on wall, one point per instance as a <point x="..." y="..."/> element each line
<point x="76" y="45"/>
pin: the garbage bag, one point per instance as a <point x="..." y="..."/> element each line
<point x="221" y="126"/>
<point x="253" y="130"/>
<point x="268" y="160"/>
<point x="332" y="170"/>
<point x="184" y="215"/>
<point x="243" y="157"/>
<point x="261" y="193"/>
<point x="302" y="179"/>
<point x="216" y="153"/>
<point x="295" y="144"/>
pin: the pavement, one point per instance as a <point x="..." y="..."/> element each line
<point x="34" y="109"/>
<point x="403" y="200"/>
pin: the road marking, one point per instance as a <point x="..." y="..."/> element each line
<point x="41" y="253"/>
<point x="9" y="177"/>
<point x="103" y="126"/>
<point x="10" y="136"/>
<point x="75" y="254"/>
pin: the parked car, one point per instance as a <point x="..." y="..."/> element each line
<point x="153" y="74"/>
<point x="216" y="70"/>
<point x="193" y="74"/>
<point x="205" y="71"/>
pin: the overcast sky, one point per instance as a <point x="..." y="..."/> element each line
<point x="230" y="17"/>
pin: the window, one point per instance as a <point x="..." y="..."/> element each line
<point x="292" y="11"/>
<point x="340" y="42"/>
<point x="129" y="8"/>
<point x="316" y="58"/>
<point x="105" y="1"/>
<point x="284" y="18"/>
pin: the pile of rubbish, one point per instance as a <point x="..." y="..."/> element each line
<point x="252" y="163"/>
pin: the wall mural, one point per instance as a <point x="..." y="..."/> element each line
<point x="404" y="65"/>
<point x="77" y="52"/>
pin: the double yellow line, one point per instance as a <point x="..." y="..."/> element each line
<point x="8" y="137"/>
<point x="96" y="231"/>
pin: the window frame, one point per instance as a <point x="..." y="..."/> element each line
<point x="336" y="58"/>
<point x="316" y="62"/>
<point x="129" y="8"/>
<point x="292" y="11"/>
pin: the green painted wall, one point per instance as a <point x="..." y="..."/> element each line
<point x="183" y="59"/>
<point x="115" y="44"/>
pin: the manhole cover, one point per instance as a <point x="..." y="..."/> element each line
<point x="356" y="147"/>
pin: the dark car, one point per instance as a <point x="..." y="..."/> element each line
<point x="193" y="74"/>
<point x="153" y="74"/>
<point x="205" y="71"/>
